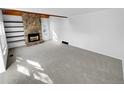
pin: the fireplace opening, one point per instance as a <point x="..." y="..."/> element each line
<point x="33" y="37"/>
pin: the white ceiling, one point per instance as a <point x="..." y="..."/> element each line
<point x="62" y="11"/>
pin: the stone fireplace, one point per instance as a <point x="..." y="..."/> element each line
<point x="32" y="29"/>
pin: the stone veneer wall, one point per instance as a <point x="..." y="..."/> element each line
<point x="32" y="24"/>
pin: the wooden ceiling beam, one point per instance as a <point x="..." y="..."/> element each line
<point x="19" y="13"/>
<point x="12" y="12"/>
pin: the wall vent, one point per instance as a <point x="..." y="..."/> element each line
<point x="65" y="42"/>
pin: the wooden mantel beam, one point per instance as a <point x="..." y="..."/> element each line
<point x="19" y="13"/>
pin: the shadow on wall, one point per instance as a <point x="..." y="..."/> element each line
<point x="36" y="71"/>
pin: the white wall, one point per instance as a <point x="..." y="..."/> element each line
<point x="3" y="46"/>
<point x="101" y="32"/>
<point x="58" y="27"/>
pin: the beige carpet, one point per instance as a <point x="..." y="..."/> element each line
<point x="51" y="62"/>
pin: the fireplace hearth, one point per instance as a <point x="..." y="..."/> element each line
<point x="33" y="37"/>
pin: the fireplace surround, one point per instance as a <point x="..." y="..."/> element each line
<point x="32" y="29"/>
